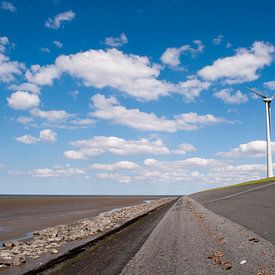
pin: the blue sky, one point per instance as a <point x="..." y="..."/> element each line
<point x="147" y="97"/>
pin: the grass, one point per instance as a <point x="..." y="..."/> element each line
<point x="260" y="181"/>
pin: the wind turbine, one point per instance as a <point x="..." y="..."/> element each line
<point x="267" y="101"/>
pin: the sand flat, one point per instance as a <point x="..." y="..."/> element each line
<point x="22" y="214"/>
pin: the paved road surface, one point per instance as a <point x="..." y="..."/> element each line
<point x="252" y="206"/>
<point x="192" y="240"/>
<point x="110" y="255"/>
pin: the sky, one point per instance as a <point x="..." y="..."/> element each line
<point x="132" y="98"/>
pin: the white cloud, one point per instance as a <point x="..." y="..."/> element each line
<point x="132" y="74"/>
<point x="116" y="41"/>
<point x="23" y="100"/>
<point x="74" y="94"/>
<point x="56" y="22"/>
<point x="27" y="139"/>
<point x="171" y="56"/>
<point x="109" y="109"/>
<point x="115" y="176"/>
<point x="255" y="148"/>
<point x="24" y="120"/>
<point x="218" y="40"/>
<point x="114" y="145"/>
<point x="242" y="67"/>
<point x="42" y="75"/>
<point x="184" y="148"/>
<point x="123" y="165"/>
<point x="270" y="85"/>
<point x="190" y="89"/>
<point x="228" y="96"/>
<point x="45" y="136"/>
<point x="84" y="121"/>
<point x="8" y="69"/>
<point x="48" y="135"/>
<point x="44" y="50"/>
<point x="77" y="155"/>
<point x="51" y="116"/>
<point x="25" y="87"/>
<point x="57" y="43"/>
<point x="5" y="5"/>
<point x="56" y="172"/>
<point x="228" y="45"/>
<point x="190" y="171"/>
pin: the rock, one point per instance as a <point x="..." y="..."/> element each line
<point x="18" y="259"/>
<point x="5" y="253"/>
<point x="9" y="244"/>
<point x="6" y="260"/>
<point x="58" y="239"/>
<point x="36" y="233"/>
<point x="54" y="251"/>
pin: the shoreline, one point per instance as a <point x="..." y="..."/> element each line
<point x="50" y="240"/>
<point x="19" y="216"/>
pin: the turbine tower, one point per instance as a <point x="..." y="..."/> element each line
<point x="267" y="101"/>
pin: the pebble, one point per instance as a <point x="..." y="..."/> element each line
<point x="48" y="239"/>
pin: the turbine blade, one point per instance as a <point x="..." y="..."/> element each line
<point x="257" y="93"/>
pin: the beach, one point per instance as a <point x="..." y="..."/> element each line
<point x="21" y="215"/>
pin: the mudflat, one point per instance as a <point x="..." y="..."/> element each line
<point x="23" y="214"/>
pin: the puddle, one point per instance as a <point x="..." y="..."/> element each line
<point x="110" y="211"/>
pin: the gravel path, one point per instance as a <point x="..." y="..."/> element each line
<point x="190" y="239"/>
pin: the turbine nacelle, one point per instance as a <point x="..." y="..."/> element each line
<point x="268" y="99"/>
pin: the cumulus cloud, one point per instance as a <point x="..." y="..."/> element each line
<point x="192" y="171"/>
<point x="110" y="109"/>
<point x="56" y="172"/>
<point x="228" y="96"/>
<point x="42" y="75"/>
<point x="131" y="74"/>
<point x="25" y="87"/>
<point x="255" y="148"/>
<point x="270" y="85"/>
<point x="8" y="69"/>
<point x="27" y="139"/>
<point x="51" y="116"/>
<point x="77" y="155"/>
<point x="103" y="144"/>
<point x="6" y="5"/>
<point x="184" y="148"/>
<point x="121" y="165"/>
<point x="116" y="41"/>
<point x="45" y="136"/>
<point x="218" y="40"/>
<point x="192" y="88"/>
<point x="23" y="100"/>
<point x="241" y="67"/>
<point x="57" y="43"/>
<point x="44" y="50"/>
<point x="25" y="120"/>
<point x="171" y="56"/>
<point x="57" y="21"/>
<point x="115" y="176"/>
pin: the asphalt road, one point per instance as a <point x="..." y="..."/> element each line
<point x="110" y="255"/>
<point x="252" y="206"/>
<point x="193" y="240"/>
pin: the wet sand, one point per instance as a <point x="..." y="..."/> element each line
<point x="23" y="214"/>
